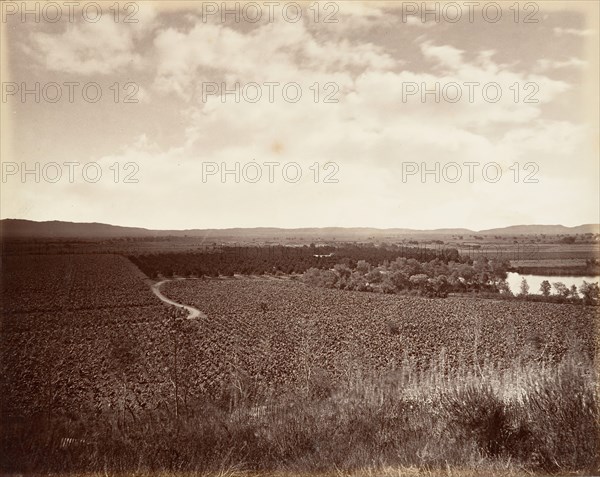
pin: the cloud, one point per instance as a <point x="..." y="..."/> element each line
<point x="558" y="31"/>
<point x="358" y="18"/>
<point x="370" y="133"/>
<point x="371" y="188"/>
<point x="546" y="139"/>
<point x="444" y="55"/>
<point x="95" y="48"/>
<point x="104" y="47"/>
<point x="286" y="52"/>
<point x="544" y="64"/>
<point x="458" y="92"/>
<point x="414" y="21"/>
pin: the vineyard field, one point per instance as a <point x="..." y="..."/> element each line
<point x="276" y="330"/>
<point x="91" y="354"/>
<point x="75" y="327"/>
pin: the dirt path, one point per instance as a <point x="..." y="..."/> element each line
<point x="194" y="313"/>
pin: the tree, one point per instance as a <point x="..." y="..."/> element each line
<point x="387" y="285"/>
<point x="312" y="276"/>
<point x="399" y="278"/>
<point x="545" y="288"/>
<point x="419" y="281"/>
<point x="363" y="267"/>
<point x="590" y="293"/>
<point x="561" y="289"/>
<point x="440" y="286"/>
<point x="374" y="276"/>
<point x="574" y="292"/>
<point x="504" y="288"/>
<point x="321" y="278"/>
<point x="524" y="287"/>
<point x="343" y="270"/>
<point x="357" y="282"/>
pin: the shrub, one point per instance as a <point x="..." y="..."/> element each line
<point x="476" y="413"/>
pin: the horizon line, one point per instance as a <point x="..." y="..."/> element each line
<point x="364" y="227"/>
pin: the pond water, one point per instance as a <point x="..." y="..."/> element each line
<point x="534" y="281"/>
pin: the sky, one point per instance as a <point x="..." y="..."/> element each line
<point x="192" y="115"/>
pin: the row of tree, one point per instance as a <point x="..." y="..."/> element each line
<point x="255" y="260"/>
<point x="434" y="278"/>
<point x="588" y="293"/>
<point x="437" y="278"/>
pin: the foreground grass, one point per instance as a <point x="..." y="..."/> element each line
<point x="529" y="419"/>
<point x="366" y="472"/>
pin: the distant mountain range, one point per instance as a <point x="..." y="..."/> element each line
<point x="17" y="228"/>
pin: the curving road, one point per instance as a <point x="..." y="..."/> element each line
<point x="193" y="312"/>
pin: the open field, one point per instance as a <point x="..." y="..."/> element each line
<point x="68" y="327"/>
<point x="546" y="254"/>
<point x="301" y="328"/>
<point x="517" y="247"/>
<point x="98" y="373"/>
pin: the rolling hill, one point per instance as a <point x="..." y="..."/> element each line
<point x="17" y="228"/>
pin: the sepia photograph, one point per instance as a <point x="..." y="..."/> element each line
<point x="300" y="238"/>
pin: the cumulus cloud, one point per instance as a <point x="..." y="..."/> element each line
<point x="285" y="52"/>
<point x="92" y="48"/>
<point x="392" y="106"/>
<point x="443" y="55"/>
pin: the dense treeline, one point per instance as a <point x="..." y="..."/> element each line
<point x="281" y="259"/>
<point x="434" y="278"/>
<point x="437" y="278"/>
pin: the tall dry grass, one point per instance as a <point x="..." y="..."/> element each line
<point x="534" y="418"/>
